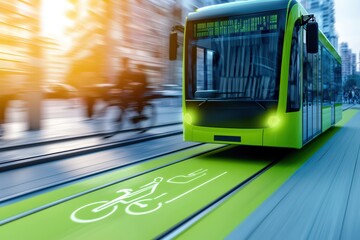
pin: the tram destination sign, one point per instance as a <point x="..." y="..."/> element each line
<point x="236" y="26"/>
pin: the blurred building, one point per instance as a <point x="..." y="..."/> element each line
<point x="325" y="16"/>
<point x="348" y="61"/>
<point x="87" y="32"/>
<point x="18" y="29"/>
<point x="21" y="52"/>
<point x="55" y="64"/>
<point x="353" y="63"/>
<point x="104" y="32"/>
<point x="142" y="31"/>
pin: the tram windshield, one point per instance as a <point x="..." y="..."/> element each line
<point x="236" y="58"/>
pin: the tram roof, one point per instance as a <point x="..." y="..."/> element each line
<point x="237" y="8"/>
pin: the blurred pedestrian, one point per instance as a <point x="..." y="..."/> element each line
<point x="346" y="97"/>
<point x="7" y="90"/>
<point x="89" y="93"/>
<point x="125" y="76"/>
<point x="3" y="105"/>
<point x="352" y="96"/>
<point x="107" y="95"/>
<point x="140" y="87"/>
<point x="123" y="84"/>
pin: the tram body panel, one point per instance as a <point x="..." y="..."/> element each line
<point x="250" y="137"/>
<point x="220" y="72"/>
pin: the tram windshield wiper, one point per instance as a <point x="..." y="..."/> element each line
<point x="254" y="100"/>
<point x="258" y="103"/>
<point x="206" y="100"/>
<point x="203" y="102"/>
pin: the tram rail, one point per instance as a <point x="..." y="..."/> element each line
<point x="90" y="174"/>
<point x="79" y="137"/>
<point x="8" y="164"/>
<point x="201" y="213"/>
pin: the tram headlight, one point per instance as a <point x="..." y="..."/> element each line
<point x="273" y="121"/>
<point x="188" y="118"/>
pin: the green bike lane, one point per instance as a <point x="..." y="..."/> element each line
<point x="122" y="173"/>
<point x="145" y="206"/>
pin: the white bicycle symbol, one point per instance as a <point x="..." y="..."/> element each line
<point x="136" y="201"/>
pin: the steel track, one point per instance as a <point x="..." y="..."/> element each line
<point x="28" y="161"/>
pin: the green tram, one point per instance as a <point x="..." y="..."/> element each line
<point x="258" y="73"/>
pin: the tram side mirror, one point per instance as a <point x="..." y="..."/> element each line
<point x="312" y="37"/>
<point x="173" y="45"/>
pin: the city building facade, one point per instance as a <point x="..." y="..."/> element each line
<point x="103" y="34"/>
<point x="349" y="63"/>
<point x="21" y="55"/>
<point x="353" y="63"/>
<point x="324" y="12"/>
<point x="19" y="27"/>
<point x="54" y="62"/>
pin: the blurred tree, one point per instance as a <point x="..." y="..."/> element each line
<point x="89" y="38"/>
<point x="125" y="16"/>
<point x="177" y="13"/>
<point x="352" y="81"/>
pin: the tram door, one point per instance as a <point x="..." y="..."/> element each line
<point x="311" y="95"/>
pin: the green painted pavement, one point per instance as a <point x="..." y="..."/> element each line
<point x="91" y="183"/>
<point x="142" y="207"/>
<point x="224" y="219"/>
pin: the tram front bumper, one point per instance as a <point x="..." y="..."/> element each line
<point x="223" y="135"/>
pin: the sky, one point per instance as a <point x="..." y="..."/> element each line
<point x="347" y="23"/>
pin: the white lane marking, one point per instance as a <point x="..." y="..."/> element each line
<point x="171" y="200"/>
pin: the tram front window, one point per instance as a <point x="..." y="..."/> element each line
<point x="236" y="58"/>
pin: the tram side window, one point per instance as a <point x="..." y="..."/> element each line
<point x="326" y="76"/>
<point x="332" y="79"/>
<point x="293" y="102"/>
<point x="338" y="85"/>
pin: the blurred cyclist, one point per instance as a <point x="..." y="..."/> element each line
<point x="139" y="87"/>
<point x="132" y="86"/>
<point x="7" y="91"/>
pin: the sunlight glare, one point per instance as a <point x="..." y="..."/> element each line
<point x="53" y="19"/>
